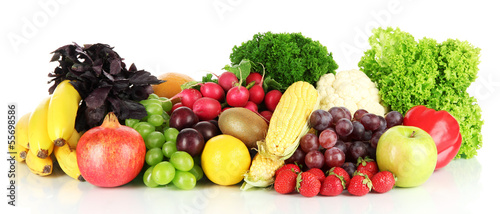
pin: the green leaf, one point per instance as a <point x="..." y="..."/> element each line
<point x="271" y="84"/>
<point x="241" y="70"/>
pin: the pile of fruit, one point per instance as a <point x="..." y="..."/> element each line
<point x="106" y="124"/>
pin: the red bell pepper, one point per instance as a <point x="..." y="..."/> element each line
<point x="443" y="128"/>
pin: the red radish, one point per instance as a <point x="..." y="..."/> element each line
<point x="251" y="106"/>
<point x="225" y="108"/>
<point x="254" y="76"/>
<point x="188" y="97"/>
<point x="227" y="80"/>
<point x="266" y="114"/>
<point x="256" y="94"/>
<point x="110" y="155"/>
<point x="271" y="100"/>
<point x="212" y="90"/>
<point x="175" y="106"/>
<point x="206" y="108"/>
<point x="237" y="96"/>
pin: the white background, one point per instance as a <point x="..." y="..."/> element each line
<point x="197" y="36"/>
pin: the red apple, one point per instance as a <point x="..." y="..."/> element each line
<point x="110" y="155"/>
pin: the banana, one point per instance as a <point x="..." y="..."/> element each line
<point x="39" y="142"/>
<point x="73" y="140"/>
<point x="38" y="165"/>
<point x="66" y="157"/>
<point x="21" y="134"/>
<point x="18" y="152"/>
<point x="62" y="113"/>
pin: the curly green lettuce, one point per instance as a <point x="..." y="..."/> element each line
<point x="287" y="57"/>
<point x="424" y="72"/>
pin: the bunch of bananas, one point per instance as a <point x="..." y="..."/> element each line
<point x="48" y="130"/>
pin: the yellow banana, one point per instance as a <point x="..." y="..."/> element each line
<point x="18" y="152"/>
<point x="73" y="140"/>
<point x="21" y="134"/>
<point x="40" y="143"/>
<point x="38" y="165"/>
<point x="66" y="157"/>
<point x="62" y="112"/>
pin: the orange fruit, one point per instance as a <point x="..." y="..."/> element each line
<point x="172" y="85"/>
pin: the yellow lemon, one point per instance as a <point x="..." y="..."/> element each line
<point x="225" y="159"/>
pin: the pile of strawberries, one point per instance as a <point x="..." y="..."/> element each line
<point x="312" y="182"/>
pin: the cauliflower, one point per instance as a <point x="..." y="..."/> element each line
<point x="351" y="89"/>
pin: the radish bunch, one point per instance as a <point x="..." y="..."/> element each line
<point x="213" y="98"/>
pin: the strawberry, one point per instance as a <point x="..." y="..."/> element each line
<point x="340" y="172"/>
<point x="364" y="172"/>
<point x="307" y="184"/>
<point x="320" y="175"/>
<point x="332" y="185"/>
<point x="289" y="166"/>
<point x="367" y="164"/>
<point x="285" y="182"/>
<point x="360" y="185"/>
<point x="383" y="181"/>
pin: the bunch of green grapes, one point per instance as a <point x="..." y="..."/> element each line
<point x="165" y="164"/>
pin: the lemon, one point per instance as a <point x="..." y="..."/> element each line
<point x="225" y="159"/>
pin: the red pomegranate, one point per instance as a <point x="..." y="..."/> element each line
<point x="110" y="155"/>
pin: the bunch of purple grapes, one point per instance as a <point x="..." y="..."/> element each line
<point x="340" y="138"/>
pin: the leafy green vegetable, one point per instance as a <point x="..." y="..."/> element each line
<point x="287" y="57"/>
<point x="425" y="72"/>
<point x="104" y="83"/>
<point x="241" y="70"/>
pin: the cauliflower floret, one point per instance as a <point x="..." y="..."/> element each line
<point x="351" y="89"/>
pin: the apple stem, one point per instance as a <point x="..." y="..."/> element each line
<point x="412" y="134"/>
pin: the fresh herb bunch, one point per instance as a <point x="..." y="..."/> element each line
<point x="425" y="72"/>
<point x="287" y="57"/>
<point x="105" y="84"/>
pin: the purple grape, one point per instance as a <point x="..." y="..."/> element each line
<point x="370" y="121"/>
<point x="347" y="113"/>
<point x="314" y="159"/>
<point x="344" y="127"/>
<point x="183" y="117"/>
<point x="375" y="138"/>
<point x="359" y="113"/>
<point x="383" y="123"/>
<point x="349" y="167"/>
<point x="334" y="157"/>
<point x="320" y="119"/>
<point x="309" y="142"/>
<point x="339" y="113"/>
<point x="341" y="145"/>
<point x="394" y="118"/>
<point x="190" y="141"/>
<point x="297" y="157"/>
<point x="367" y="135"/>
<point x="358" y="149"/>
<point x="327" y="138"/>
<point x="357" y="130"/>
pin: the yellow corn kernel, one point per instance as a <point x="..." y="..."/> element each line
<point x="261" y="173"/>
<point x="290" y="121"/>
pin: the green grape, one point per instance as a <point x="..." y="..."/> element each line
<point x="163" y="173"/>
<point x="148" y="178"/>
<point x="144" y="128"/>
<point x="197" y="159"/>
<point x="166" y="119"/>
<point x="154" y="139"/>
<point x="197" y="171"/>
<point x="169" y="148"/>
<point x="147" y="102"/>
<point x="153" y="96"/>
<point x="184" y="180"/>
<point x="171" y="134"/>
<point x="166" y="104"/>
<point x="154" y="156"/>
<point x="131" y="122"/>
<point x="154" y="109"/>
<point x="182" y="161"/>
<point x="155" y="120"/>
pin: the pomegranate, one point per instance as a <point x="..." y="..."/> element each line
<point x="110" y="155"/>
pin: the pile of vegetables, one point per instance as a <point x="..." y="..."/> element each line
<point x="103" y="82"/>
<point x="424" y="72"/>
<point x="287" y="57"/>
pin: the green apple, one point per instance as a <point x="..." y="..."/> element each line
<point x="409" y="153"/>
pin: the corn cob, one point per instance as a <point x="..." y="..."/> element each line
<point x="289" y="121"/>
<point x="261" y="173"/>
